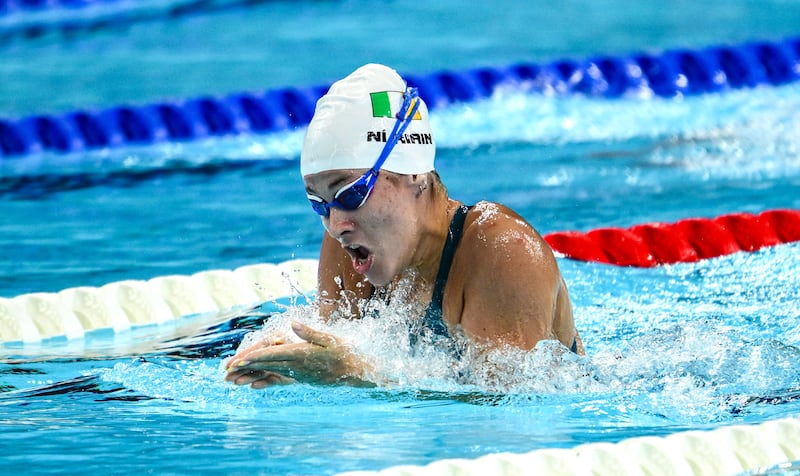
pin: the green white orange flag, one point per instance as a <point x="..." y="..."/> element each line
<point x="382" y="107"/>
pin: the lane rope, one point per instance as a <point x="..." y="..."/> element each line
<point x="70" y="313"/>
<point x="723" y="451"/>
<point x="684" y="241"/>
<point x="672" y="73"/>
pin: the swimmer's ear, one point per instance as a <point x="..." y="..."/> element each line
<point x="418" y="182"/>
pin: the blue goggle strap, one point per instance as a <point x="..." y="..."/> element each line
<point x="404" y="118"/>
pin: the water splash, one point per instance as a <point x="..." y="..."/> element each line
<point x="685" y="345"/>
<point x="688" y="363"/>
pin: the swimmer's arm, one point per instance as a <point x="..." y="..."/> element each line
<point x="339" y="287"/>
<point x="514" y="292"/>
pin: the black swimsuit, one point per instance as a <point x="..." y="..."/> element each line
<point x="433" y="314"/>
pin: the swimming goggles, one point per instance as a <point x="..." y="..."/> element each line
<point x="355" y="194"/>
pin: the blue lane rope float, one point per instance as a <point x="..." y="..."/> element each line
<point x="672" y="73"/>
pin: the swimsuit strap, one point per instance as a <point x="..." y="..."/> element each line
<point x="433" y="315"/>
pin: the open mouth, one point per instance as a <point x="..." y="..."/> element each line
<point x="362" y="259"/>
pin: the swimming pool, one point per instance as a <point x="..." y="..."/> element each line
<point x="690" y="346"/>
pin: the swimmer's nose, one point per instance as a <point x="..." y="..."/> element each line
<point x="339" y="223"/>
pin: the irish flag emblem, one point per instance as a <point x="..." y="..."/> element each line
<point x="382" y="107"/>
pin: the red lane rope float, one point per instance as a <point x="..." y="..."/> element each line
<point x="684" y="241"/>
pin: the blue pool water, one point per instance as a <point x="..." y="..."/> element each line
<point x="690" y="346"/>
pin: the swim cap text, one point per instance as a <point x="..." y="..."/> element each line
<point x="415" y="138"/>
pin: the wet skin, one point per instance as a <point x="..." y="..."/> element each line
<point x="504" y="286"/>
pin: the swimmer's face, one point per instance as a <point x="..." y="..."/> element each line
<point x="380" y="236"/>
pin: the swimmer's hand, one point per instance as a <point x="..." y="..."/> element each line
<point x="321" y="359"/>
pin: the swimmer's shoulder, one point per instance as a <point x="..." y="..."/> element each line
<point x="506" y="277"/>
<point x="494" y="227"/>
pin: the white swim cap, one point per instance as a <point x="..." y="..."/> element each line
<point x="353" y="120"/>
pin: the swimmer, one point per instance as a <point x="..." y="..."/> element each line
<point x="368" y="167"/>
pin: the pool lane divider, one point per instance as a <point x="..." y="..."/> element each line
<point x="71" y="313"/>
<point x="728" y="450"/>
<point x="671" y="73"/>
<point x="122" y="305"/>
<point x="684" y="241"/>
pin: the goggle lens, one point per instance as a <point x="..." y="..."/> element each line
<point x="350" y="197"/>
